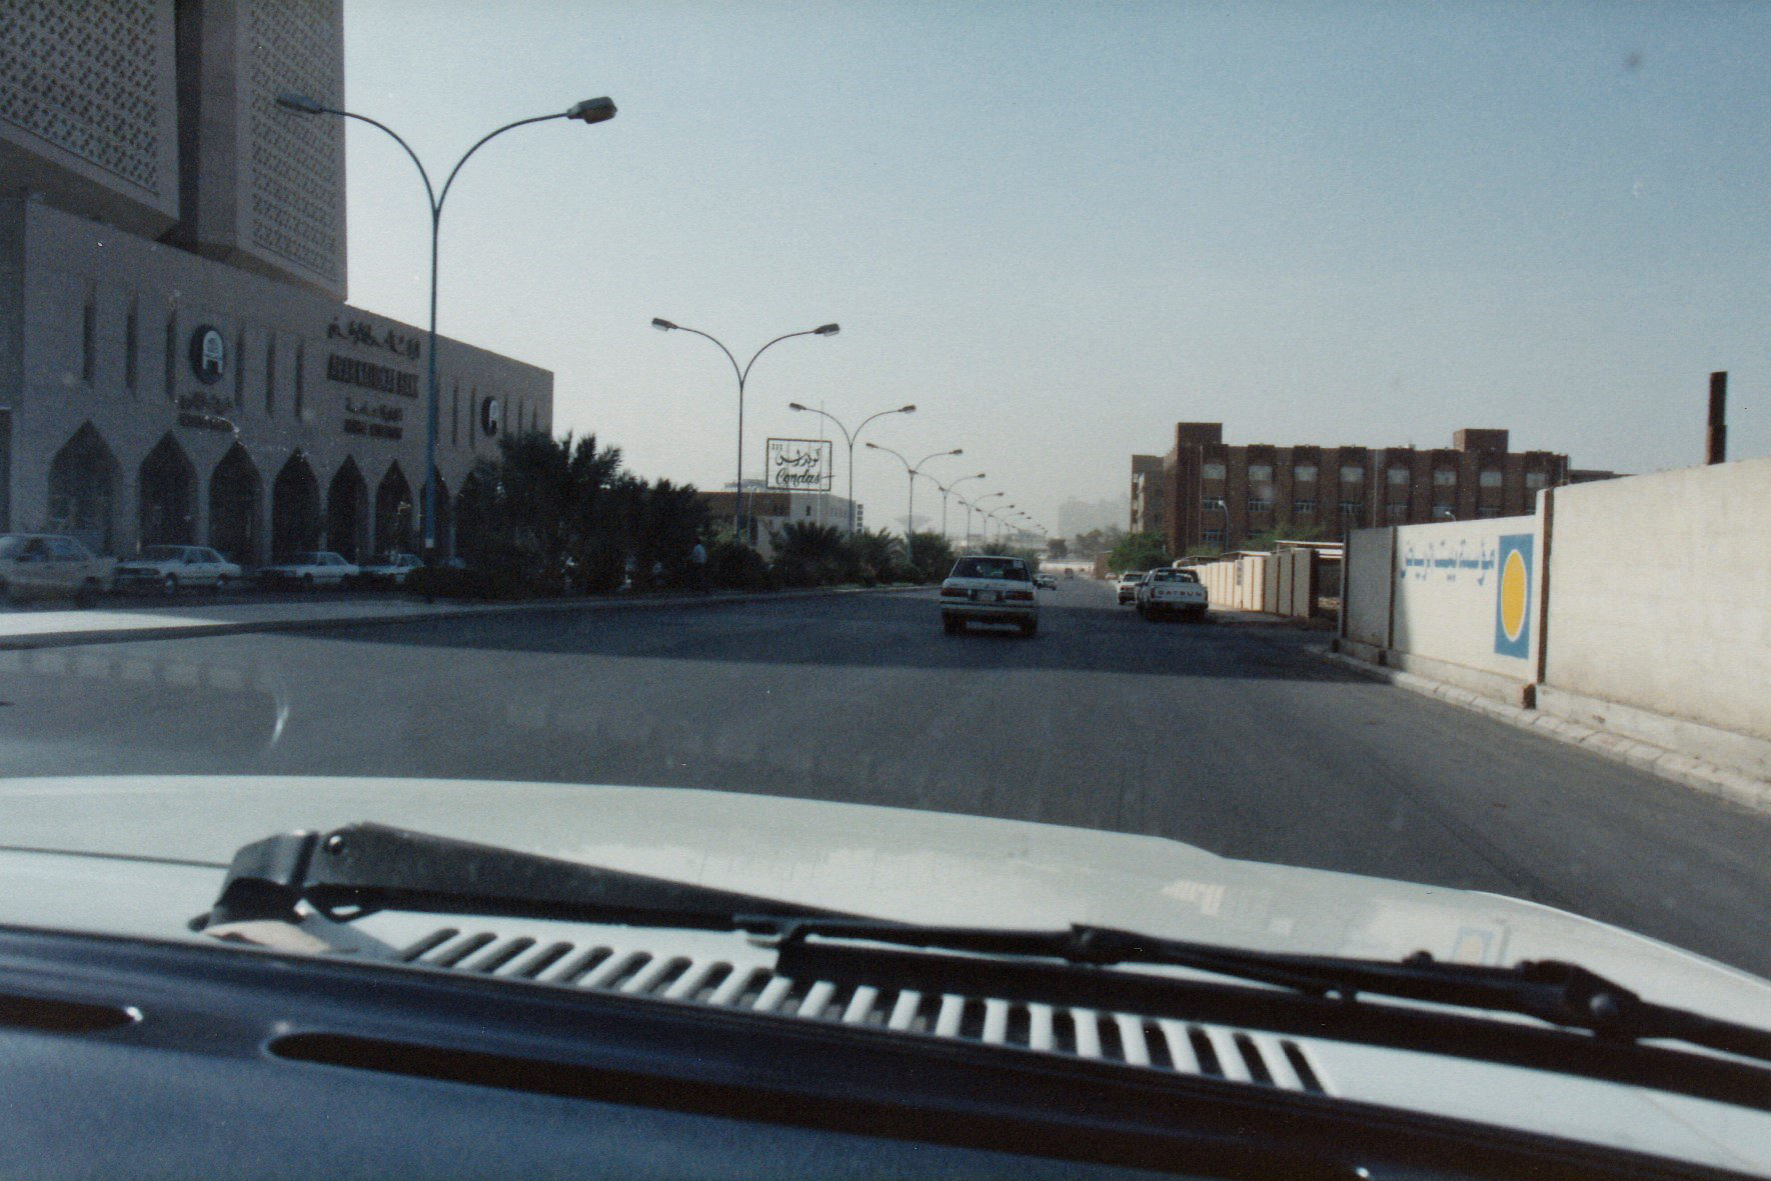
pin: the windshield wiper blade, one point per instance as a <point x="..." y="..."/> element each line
<point x="362" y="868"/>
<point x="1553" y="991"/>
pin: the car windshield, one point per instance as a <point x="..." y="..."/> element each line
<point x="769" y="467"/>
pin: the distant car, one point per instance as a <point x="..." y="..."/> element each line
<point x="171" y="568"/>
<point x="985" y="588"/>
<point x="1166" y="592"/>
<point x="1045" y="582"/>
<point x="310" y="570"/>
<point x="391" y="569"/>
<point x="1128" y="585"/>
<point x="50" y="565"/>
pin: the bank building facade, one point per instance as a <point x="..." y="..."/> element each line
<point x="177" y="360"/>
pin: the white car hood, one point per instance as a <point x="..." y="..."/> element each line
<point x="894" y="863"/>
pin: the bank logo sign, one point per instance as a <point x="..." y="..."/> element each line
<point x="1512" y="597"/>
<point x="799" y="465"/>
<point x="209" y="354"/>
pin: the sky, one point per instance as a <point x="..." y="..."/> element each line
<point x="1059" y="229"/>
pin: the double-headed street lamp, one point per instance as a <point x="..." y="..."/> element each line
<point x="945" y="489"/>
<point x="850" y="438"/>
<point x="913" y="471"/>
<point x="591" y="110"/>
<point x="985" y="513"/>
<point x="743" y="372"/>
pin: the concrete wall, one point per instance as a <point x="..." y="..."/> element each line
<point x="1465" y="592"/>
<point x="1370" y="582"/>
<point x="1457" y="601"/>
<point x="1278" y="584"/>
<point x="1687" y="634"/>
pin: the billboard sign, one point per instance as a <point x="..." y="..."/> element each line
<point x="800" y="465"/>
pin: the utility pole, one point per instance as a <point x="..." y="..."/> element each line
<point x="1716" y="442"/>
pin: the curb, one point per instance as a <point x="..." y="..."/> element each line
<point x="70" y="639"/>
<point x="1688" y="770"/>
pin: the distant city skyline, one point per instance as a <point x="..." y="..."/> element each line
<point x="1060" y="229"/>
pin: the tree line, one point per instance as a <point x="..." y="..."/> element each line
<point x="562" y="516"/>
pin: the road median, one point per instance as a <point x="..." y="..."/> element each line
<point x="57" y="629"/>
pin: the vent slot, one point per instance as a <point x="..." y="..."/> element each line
<point x="58" y="1016"/>
<point x="1132" y="1039"/>
<point x="462" y="950"/>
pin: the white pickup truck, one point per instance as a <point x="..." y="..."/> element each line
<point x="1166" y="592"/>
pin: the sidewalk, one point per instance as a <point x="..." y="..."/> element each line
<point x="100" y="625"/>
<point x="1686" y="769"/>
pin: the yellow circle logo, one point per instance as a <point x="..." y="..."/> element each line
<point x="1513" y="594"/>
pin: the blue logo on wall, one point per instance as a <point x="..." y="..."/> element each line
<point x="1512" y="597"/>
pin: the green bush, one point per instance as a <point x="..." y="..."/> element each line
<point x="732" y="564"/>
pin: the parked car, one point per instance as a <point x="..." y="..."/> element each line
<point x="310" y="570"/>
<point x="1045" y="582"/>
<point x="986" y="588"/>
<point x="173" y="567"/>
<point x="391" y="569"/>
<point x="50" y="565"/>
<point x="1165" y="593"/>
<point x="1128" y="585"/>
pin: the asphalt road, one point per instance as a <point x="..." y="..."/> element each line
<point x="1236" y="739"/>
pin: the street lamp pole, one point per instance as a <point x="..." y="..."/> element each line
<point x="1223" y="506"/>
<point x="743" y="372"/>
<point x="593" y="110"/>
<point x="850" y="440"/>
<point x="984" y="532"/>
<point x="948" y="488"/>
<point x="913" y="471"/>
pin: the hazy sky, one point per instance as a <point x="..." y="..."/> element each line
<point x="1060" y="228"/>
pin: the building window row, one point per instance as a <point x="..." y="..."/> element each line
<point x="1303" y="508"/>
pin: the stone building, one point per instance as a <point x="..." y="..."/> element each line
<point x="177" y="363"/>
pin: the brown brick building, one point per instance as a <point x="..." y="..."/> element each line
<point x="1207" y="492"/>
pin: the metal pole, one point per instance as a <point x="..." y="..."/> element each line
<point x="430" y="417"/>
<point x="1716" y="443"/>
<point x="910" y="522"/>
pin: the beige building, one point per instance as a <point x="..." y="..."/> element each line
<point x="176" y="361"/>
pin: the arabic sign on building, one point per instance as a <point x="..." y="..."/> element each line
<point x="799" y="465"/>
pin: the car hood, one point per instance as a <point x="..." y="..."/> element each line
<point x="894" y="863"/>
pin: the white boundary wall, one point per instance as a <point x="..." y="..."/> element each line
<point x="1686" y="633"/>
<point x="1648" y="608"/>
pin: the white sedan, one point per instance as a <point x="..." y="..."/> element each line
<point x="50" y="565"/>
<point x="984" y="588"/>
<point x="310" y="570"/>
<point x="391" y="568"/>
<point x="172" y="567"/>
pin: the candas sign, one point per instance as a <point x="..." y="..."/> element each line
<point x="800" y="465"/>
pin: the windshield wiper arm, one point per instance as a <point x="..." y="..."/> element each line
<point x="361" y="868"/>
<point x="1561" y="993"/>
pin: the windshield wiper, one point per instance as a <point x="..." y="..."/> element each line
<point x="362" y="868"/>
<point x="1553" y="991"/>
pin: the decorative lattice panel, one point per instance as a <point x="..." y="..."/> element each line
<point x="297" y="166"/>
<point x="85" y="77"/>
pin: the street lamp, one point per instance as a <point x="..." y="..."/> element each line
<point x="850" y="440"/>
<point x="948" y="488"/>
<point x="913" y="471"/>
<point x="985" y="531"/>
<point x="591" y="110"/>
<point x="743" y="373"/>
<point x="1223" y="507"/>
